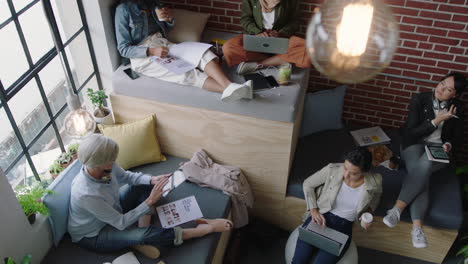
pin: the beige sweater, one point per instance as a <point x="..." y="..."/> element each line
<point x="321" y="189"/>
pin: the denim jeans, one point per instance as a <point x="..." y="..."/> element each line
<point x="111" y="239"/>
<point x="305" y="251"/>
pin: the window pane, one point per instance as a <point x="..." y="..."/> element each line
<point x="19" y="173"/>
<point x="29" y="111"/>
<point x="68" y="17"/>
<point x="20" y="4"/>
<point x="11" y="51"/>
<point x="44" y="152"/>
<point x="53" y="80"/>
<point x="10" y="148"/>
<point x="4" y="11"/>
<point x="80" y="59"/>
<point x="84" y="98"/>
<point x="59" y="121"/>
<point x="36" y="31"/>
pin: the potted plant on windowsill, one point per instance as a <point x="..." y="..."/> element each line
<point x="55" y="169"/>
<point x="26" y="260"/>
<point x="73" y="151"/>
<point x="65" y="159"/>
<point x="102" y="114"/>
<point x="30" y="199"/>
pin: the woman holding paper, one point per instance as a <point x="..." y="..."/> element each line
<point x="336" y="196"/>
<point x="141" y="28"/>
<point x="435" y="118"/>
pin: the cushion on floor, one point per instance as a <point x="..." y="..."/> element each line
<point x="317" y="150"/>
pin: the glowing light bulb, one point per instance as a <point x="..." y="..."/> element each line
<point x="79" y="123"/>
<point x="351" y="41"/>
<point x="353" y="31"/>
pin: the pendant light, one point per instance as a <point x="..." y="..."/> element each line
<point x="351" y="41"/>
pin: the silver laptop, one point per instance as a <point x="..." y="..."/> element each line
<point x="266" y="44"/>
<point x="324" y="238"/>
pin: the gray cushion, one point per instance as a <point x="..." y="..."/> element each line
<point x="323" y="110"/>
<point x="59" y="202"/>
<point x="317" y="150"/>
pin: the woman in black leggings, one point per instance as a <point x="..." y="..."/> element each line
<point x="433" y="118"/>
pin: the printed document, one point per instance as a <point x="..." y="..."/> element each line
<point x="128" y="258"/>
<point x="182" y="57"/>
<point x="370" y="136"/>
<point x="179" y="212"/>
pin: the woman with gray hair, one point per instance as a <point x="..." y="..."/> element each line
<point x="102" y="214"/>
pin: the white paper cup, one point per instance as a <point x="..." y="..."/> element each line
<point x="366" y="218"/>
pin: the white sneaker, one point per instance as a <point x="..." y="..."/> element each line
<point x="237" y="91"/>
<point x="393" y="217"/>
<point x="247" y="67"/>
<point x="418" y="237"/>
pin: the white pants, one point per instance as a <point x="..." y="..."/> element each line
<point x="148" y="68"/>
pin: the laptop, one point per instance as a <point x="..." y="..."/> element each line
<point x="266" y="44"/>
<point x="324" y="238"/>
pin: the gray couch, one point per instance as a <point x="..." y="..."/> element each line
<point x="317" y="150"/>
<point x="213" y="204"/>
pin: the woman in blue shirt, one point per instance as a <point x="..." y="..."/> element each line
<point x="141" y="33"/>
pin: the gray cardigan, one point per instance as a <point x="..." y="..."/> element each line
<point x="327" y="182"/>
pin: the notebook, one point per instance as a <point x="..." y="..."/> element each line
<point x="266" y="44"/>
<point x="323" y="237"/>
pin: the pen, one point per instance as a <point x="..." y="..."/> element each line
<point x="456" y="116"/>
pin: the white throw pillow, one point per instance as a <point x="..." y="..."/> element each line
<point x="189" y="26"/>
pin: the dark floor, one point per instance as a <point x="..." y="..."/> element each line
<point x="256" y="243"/>
<point x="263" y="243"/>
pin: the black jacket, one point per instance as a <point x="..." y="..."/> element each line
<point x="418" y="125"/>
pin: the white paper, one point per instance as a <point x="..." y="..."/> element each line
<point x="329" y="233"/>
<point x="370" y="136"/>
<point x="128" y="258"/>
<point x="179" y="212"/>
<point x="182" y="57"/>
<point x="175" y="180"/>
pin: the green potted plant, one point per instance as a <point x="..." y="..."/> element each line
<point x="462" y="173"/>
<point x="30" y="200"/>
<point x="102" y="114"/>
<point x="73" y="151"/>
<point x="55" y="169"/>
<point x="65" y="159"/>
<point x="26" y="260"/>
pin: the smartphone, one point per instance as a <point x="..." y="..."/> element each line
<point x="272" y="81"/>
<point x="133" y="75"/>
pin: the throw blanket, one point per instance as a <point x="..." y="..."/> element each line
<point x="203" y="171"/>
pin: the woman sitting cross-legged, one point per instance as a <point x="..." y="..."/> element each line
<point x="267" y="18"/>
<point x="433" y="118"/>
<point x="141" y="32"/>
<point x="336" y="196"/>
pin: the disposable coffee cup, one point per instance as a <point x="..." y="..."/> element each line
<point x="366" y="218"/>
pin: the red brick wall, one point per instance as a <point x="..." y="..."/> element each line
<point x="433" y="41"/>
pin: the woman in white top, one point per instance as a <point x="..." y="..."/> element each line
<point x="336" y="196"/>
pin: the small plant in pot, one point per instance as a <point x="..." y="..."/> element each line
<point x="73" y="151"/>
<point x="30" y="200"/>
<point x="65" y="159"/>
<point x="102" y="114"/>
<point x="55" y="169"/>
<point x="26" y="260"/>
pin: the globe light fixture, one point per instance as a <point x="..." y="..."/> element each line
<point x="351" y="41"/>
<point x="78" y="123"/>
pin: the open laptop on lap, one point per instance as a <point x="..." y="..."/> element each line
<point x="266" y="44"/>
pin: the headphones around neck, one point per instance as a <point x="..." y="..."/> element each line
<point x="438" y="105"/>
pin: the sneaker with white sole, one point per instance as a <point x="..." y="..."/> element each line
<point x="237" y="91"/>
<point x="247" y="67"/>
<point x="393" y="217"/>
<point x="418" y="237"/>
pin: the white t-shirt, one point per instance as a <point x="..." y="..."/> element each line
<point x="346" y="202"/>
<point x="436" y="135"/>
<point x="268" y="19"/>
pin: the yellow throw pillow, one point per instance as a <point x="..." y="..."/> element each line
<point x="138" y="142"/>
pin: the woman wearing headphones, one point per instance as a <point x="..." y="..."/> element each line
<point x="433" y="118"/>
